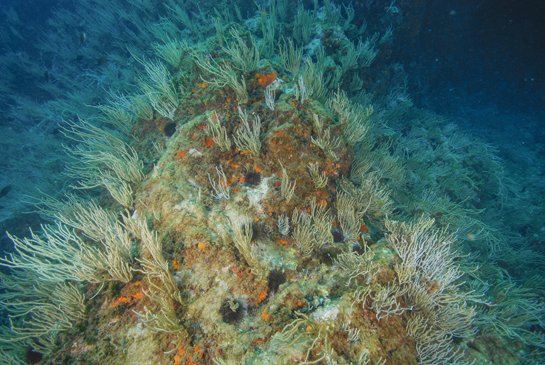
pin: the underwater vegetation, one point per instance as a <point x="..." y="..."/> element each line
<point x="251" y="184"/>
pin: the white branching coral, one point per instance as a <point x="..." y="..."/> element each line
<point x="425" y="251"/>
<point x="291" y="57"/>
<point x="312" y="332"/>
<point x="350" y="219"/>
<point x="358" y="265"/>
<point x="245" y="57"/>
<point x="283" y="224"/>
<point x="221" y="189"/>
<point x="324" y="139"/>
<point x="217" y="132"/>
<point x="353" y="117"/>
<point x="99" y="225"/>
<point x="242" y="237"/>
<point x="247" y="138"/>
<point x="311" y="230"/>
<point x="58" y="254"/>
<point x="287" y="189"/>
<point x="172" y="51"/>
<point x="102" y="159"/>
<point x="155" y="267"/>
<point x="84" y="215"/>
<point x="167" y="321"/>
<point x="312" y="77"/>
<point x="320" y="180"/>
<point x="59" y="307"/>
<point x="159" y="88"/>
<point x="224" y="75"/>
<point x="270" y="92"/>
<point x="371" y="198"/>
<point x="429" y="272"/>
<point x="385" y="300"/>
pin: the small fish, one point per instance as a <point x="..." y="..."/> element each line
<point x="82" y="37"/>
<point x="263" y="12"/>
<point x="102" y="60"/>
<point x="46" y="75"/>
<point x="5" y="190"/>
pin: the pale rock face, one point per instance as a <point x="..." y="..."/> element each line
<point x="326" y="314"/>
<point x="257" y="194"/>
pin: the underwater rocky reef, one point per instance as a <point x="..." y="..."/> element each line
<point x="236" y="183"/>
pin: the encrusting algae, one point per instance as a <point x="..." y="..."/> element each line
<point x="255" y="208"/>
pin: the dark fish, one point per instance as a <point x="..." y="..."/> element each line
<point x="46" y="75"/>
<point x="102" y="60"/>
<point x="79" y="58"/>
<point x="5" y="190"/>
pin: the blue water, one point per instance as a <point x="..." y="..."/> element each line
<point x="477" y="66"/>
